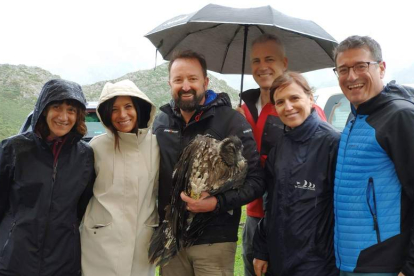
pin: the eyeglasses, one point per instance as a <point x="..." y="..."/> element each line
<point x="359" y="68"/>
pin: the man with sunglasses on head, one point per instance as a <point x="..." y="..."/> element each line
<point x="374" y="179"/>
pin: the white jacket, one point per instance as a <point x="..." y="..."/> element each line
<point x="120" y="217"/>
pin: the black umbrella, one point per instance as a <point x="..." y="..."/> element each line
<point x="223" y="35"/>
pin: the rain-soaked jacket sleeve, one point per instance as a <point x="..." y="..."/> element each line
<point x="260" y="250"/>
<point x="397" y="141"/>
<point x="260" y="243"/>
<point x="6" y="176"/>
<point x="254" y="185"/>
<point x="88" y="192"/>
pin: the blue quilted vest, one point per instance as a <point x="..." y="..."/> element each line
<point x="367" y="196"/>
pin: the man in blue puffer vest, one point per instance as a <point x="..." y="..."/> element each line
<point x="374" y="179"/>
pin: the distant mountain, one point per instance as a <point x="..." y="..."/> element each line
<point x="20" y="86"/>
<point x="154" y="83"/>
<point x="22" y="82"/>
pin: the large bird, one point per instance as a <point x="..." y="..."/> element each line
<point x="206" y="164"/>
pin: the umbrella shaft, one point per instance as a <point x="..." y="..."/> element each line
<point x="246" y="31"/>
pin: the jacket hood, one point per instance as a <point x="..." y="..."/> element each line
<point x="128" y="88"/>
<point x="57" y="90"/>
<point x="391" y="92"/>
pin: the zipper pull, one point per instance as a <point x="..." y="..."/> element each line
<point x="13" y="225"/>
<point x="54" y="172"/>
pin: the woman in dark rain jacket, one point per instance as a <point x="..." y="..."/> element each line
<point x="296" y="236"/>
<point x="46" y="178"/>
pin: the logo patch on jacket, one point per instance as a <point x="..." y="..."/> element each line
<point x="305" y="186"/>
<point x="170" y="131"/>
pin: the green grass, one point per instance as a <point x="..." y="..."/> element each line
<point x="238" y="263"/>
<point x="12" y="115"/>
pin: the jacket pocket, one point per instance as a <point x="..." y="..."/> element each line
<point x="96" y="215"/>
<point x="372" y="205"/>
<point x="153" y="219"/>
<point x="100" y="225"/>
<point x="8" y="239"/>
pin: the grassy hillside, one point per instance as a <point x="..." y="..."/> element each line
<point x="12" y="115"/>
<point x="154" y="83"/>
<point x="20" y="86"/>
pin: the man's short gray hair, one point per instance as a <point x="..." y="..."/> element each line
<point x="355" y="42"/>
<point x="270" y="37"/>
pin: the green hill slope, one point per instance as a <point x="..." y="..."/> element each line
<point x="20" y="86"/>
<point x="154" y="83"/>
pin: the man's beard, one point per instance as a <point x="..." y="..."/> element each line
<point x="188" y="105"/>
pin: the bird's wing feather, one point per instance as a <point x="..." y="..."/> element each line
<point x="199" y="168"/>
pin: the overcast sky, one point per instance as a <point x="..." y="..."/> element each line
<point x="88" y="41"/>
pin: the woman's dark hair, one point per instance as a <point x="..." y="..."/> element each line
<point x="286" y="79"/>
<point x="142" y="108"/>
<point x="79" y="127"/>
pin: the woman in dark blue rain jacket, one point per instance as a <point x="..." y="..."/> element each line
<point x="296" y="236"/>
<point x="46" y="178"/>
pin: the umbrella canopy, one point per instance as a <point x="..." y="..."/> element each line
<point x="223" y="35"/>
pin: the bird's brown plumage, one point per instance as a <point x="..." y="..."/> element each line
<point x="206" y="164"/>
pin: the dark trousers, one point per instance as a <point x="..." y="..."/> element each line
<point x="248" y="233"/>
